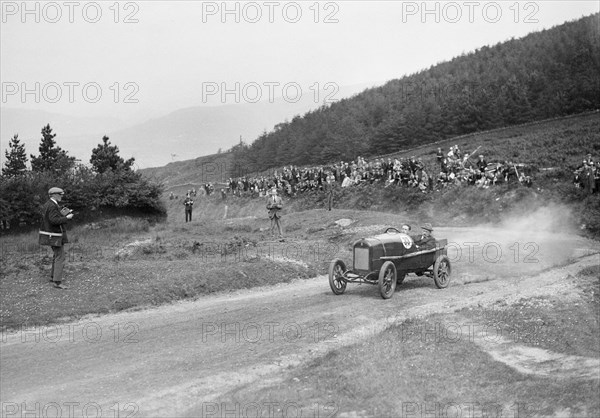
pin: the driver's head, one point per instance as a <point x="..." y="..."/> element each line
<point x="427" y="229"/>
<point x="405" y="228"/>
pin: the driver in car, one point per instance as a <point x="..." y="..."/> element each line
<point x="425" y="241"/>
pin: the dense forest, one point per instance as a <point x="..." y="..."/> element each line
<point x="546" y="74"/>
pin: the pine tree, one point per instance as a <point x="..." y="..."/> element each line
<point x="16" y="159"/>
<point x="51" y="158"/>
<point x="106" y="157"/>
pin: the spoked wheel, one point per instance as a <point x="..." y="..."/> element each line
<point x="337" y="268"/>
<point x="442" y="271"/>
<point x="387" y="280"/>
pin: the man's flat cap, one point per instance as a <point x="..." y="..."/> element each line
<point x="55" y="190"/>
<point x="427" y="227"/>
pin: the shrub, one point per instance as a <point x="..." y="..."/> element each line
<point x="86" y="193"/>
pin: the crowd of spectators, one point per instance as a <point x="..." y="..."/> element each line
<point x="292" y="180"/>
<point x="455" y="167"/>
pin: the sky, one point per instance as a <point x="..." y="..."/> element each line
<point x="140" y="59"/>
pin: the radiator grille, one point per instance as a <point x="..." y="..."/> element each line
<point x="361" y="259"/>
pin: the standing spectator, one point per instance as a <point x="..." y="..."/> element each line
<point x="54" y="234"/>
<point x="587" y="176"/>
<point x="481" y="164"/>
<point x="413" y="165"/>
<point x="457" y="152"/>
<point x="451" y="153"/>
<point x="274" y="205"/>
<point x="346" y="181"/>
<point x="188" y="203"/>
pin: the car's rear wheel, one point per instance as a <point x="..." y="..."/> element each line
<point x="442" y="271"/>
<point x="337" y="268"/>
<point x="387" y="280"/>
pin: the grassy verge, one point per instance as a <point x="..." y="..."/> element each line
<point x="413" y="369"/>
<point x="125" y="263"/>
<point x="97" y="288"/>
<point x="128" y="263"/>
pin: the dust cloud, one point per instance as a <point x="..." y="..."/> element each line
<point x="524" y="243"/>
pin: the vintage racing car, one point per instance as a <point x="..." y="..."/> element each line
<point x="386" y="259"/>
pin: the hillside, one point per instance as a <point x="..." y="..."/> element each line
<point x="547" y="74"/>
<point x="187" y="174"/>
<point x="554" y="143"/>
<point x="553" y="149"/>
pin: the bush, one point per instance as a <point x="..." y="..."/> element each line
<point x="85" y="192"/>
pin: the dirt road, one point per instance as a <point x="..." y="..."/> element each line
<point x="167" y="361"/>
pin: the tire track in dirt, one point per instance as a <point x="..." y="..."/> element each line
<point x="186" y="355"/>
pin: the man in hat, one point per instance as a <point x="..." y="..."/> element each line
<point x="53" y="233"/>
<point x="425" y="241"/>
<point x="189" y="204"/>
<point x="439" y="155"/>
<point x="481" y="163"/>
<point x="274" y="205"/>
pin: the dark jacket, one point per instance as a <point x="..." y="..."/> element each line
<point x="425" y="243"/>
<point x="52" y="231"/>
<point x="274" y="205"/>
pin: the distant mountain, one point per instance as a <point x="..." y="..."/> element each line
<point x="203" y="130"/>
<point x="180" y="135"/>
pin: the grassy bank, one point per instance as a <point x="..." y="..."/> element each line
<point x="552" y="148"/>
<point x="126" y="263"/>
<point x="129" y="263"/>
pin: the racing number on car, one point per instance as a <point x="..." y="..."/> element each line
<point x="406" y="241"/>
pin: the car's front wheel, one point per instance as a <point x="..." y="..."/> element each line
<point x="337" y="268"/>
<point x="387" y="280"/>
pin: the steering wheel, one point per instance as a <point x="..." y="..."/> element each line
<point x="387" y="231"/>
